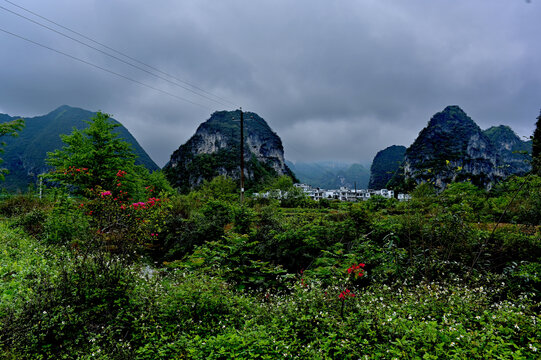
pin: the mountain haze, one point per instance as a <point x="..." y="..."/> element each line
<point x="331" y="175"/>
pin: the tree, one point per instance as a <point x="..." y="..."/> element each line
<point x="9" y="128"/>
<point x="536" y="148"/>
<point x="96" y="157"/>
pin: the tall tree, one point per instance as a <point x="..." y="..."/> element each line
<point x="95" y="157"/>
<point x="536" y="147"/>
<point x="9" y="128"/>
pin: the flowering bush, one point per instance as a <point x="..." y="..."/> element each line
<point x="345" y="294"/>
<point x="121" y="224"/>
<point x="357" y="270"/>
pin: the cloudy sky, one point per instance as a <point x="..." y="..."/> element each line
<point x="337" y="80"/>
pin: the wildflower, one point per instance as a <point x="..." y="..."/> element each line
<point x="346" y="293"/>
<point x="105" y="193"/>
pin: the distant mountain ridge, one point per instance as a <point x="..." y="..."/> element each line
<point x="331" y="175"/>
<point x="214" y="150"/>
<point x="25" y="155"/>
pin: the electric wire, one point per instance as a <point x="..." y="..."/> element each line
<point x="116" y="57"/>
<point x="120" y="53"/>
<point x="104" y="69"/>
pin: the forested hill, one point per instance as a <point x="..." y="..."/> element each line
<point x="386" y="163"/>
<point x="25" y="155"/>
<point x="453" y="148"/>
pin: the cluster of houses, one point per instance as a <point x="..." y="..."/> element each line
<point x="342" y="194"/>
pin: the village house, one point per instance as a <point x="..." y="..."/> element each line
<point x="342" y="194"/>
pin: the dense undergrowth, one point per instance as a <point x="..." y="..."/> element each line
<point x="103" y="276"/>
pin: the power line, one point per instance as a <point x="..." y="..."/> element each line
<point x="220" y="99"/>
<point x="104" y="69"/>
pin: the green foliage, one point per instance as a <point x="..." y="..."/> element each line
<point x="187" y="231"/>
<point x="536" y="148"/>
<point x="93" y="157"/>
<point x="9" y="128"/>
<point x="19" y="205"/>
<point x="220" y="188"/>
<point x="42" y="135"/>
<point x="88" y="301"/>
<point x="446" y="275"/>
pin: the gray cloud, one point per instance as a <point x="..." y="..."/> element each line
<point x="336" y="80"/>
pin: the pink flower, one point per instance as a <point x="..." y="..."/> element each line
<point x="105" y="193"/>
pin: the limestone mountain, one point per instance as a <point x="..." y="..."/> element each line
<point x="25" y="155"/>
<point x="331" y="174"/>
<point x="453" y="148"/>
<point x="385" y="165"/>
<point x="214" y="150"/>
<point x="513" y="152"/>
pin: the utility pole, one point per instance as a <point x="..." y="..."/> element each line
<point x="241" y="157"/>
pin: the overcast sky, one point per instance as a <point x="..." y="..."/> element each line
<point x="337" y="80"/>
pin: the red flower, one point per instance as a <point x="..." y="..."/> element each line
<point x="346" y="293"/>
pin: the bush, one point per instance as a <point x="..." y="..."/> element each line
<point x="22" y="204"/>
<point x="86" y="306"/>
<point x="67" y="223"/>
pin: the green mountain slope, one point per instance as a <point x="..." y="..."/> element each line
<point x="25" y="155"/>
<point x="452" y="147"/>
<point x="386" y="163"/>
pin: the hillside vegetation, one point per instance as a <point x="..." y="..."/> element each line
<point x="132" y="270"/>
<point x="25" y="155"/>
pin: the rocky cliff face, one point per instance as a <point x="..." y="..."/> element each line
<point x="514" y="153"/>
<point x="453" y="148"/>
<point x="215" y="150"/>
